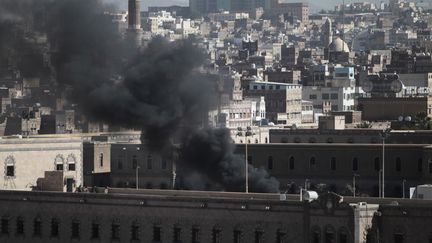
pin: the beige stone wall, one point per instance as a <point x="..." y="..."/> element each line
<point x="32" y="157"/>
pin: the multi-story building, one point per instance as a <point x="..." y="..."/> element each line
<point x="341" y="98"/>
<point x="283" y="101"/>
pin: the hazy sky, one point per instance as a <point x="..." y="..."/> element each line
<point x="315" y="4"/>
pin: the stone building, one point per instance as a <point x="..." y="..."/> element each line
<point x="177" y="216"/>
<point x="25" y="161"/>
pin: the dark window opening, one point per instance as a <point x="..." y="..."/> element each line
<point x="398" y="238"/>
<point x="75" y="230"/>
<point x="101" y="160"/>
<point x="149" y="162"/>
<point x="10" y="170"/>
<point x="270" y="162"/>
<point x="135" y="232"/>
<point x="280" y="236"/>
<point x="292" y="163"/>
<point x="312" y="163"/>
<point x="120" y="164"/>
<point x="430" y="167"/>
<point x="259" y="236"/>
<point x="37" y="227"/>
<point x="20" y="226"/>
<point x="164" y="164"/>
<point x="134" y="162"/>
<point x="54" y="228"/>
<point x="156" y="233"/>
<point x="5" y="226"/>
<point x="249" y="159"/>
<point x="59" y="167"/>
<point x="71" y="167"/>
<point x="237" y="236"/>
<point x="398" y="164"/>
<point x="316" y="237"/>
<point x="177" y="234"/>
<point x="216" y="235"/>
<point x="377" y="166"/>
<point x="195" y="235"/>
<point x="95" y="231"/>
<point x="115" y="231"/>
<point x="329" y="237"/>
<point x="333" y="163"/>
<point x="420" y="165"/>
<point x="355" y="164"/>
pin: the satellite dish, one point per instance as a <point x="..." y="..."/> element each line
<point x="408" y="118"/>
<point x="367" y="86"/>
<point x="396" y="86"/>
<point x="400" y="118"/>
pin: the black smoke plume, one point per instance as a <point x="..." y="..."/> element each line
<point x="160" y="89"/>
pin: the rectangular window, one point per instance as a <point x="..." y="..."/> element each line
<point x="333" y="164"/>
<point x="377" y="166"/>
<point x="37" y="228"/>
<point x="149" y="162"/>
<point x="135" y="232"/>
<point x="430" y="167"/>
<point x="10" y="170"/>
<point x="195" y="235"/>
<point x="325" y="96"/>
<point x="164" y="164"/>
<point x="59" y="167"/>
<point x="120" y="164"/>
<point x="355" y="164"/>
<point x="420" y="165"/>
<point x="95" y="231"/>
<point x="398" y="164"/>
<point x="280" y="236"/>
<point x="270" y="163"/>
<point x="249" y="159"/>
<point x="334" y="96"/>
<point x="156" y="233"/>
<point x="54" y="228"/>
<point x="19" y="226"/>
<point x="115" y="232"/>
<point x="75" y="230"/>
<point x="101" y="160"/>
<point x="5" y="226"/>
<point x="258" y="236"/>
<point x="177" y="234"/>
<point x="237" y="236"/>
<point x="71" y="167"/>
<point x="313" y="97"/>
<point x="216" y="236"/>
<point x="134" y="162"/>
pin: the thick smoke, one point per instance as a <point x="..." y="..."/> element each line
<point x="160" y="89"/>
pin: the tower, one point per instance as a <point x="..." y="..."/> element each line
<point x="327" y="33"/>
<point x="134" y="18"/>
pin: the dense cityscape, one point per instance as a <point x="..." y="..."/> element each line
<point x="221" y="121"/>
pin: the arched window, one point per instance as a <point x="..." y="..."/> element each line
<point x="71" y="162"/>
<point x="37" y="227"/>
<point x="20" y="226"/>
<point x="238" y="235"/>
<point x="177" y="233"/>
<point x="75" y="229"/>
<point x="4" y="230"/>
<point x="58" y="162"/>
<point x="291" y="163"/>
<point x="259" y="235"/>
<point x="355" y="164"/>
<point x="10" y="166"/>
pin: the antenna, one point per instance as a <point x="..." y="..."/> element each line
<point x="343" y="24"/>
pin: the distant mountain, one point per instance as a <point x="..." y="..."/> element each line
<point x="316" y="5"/>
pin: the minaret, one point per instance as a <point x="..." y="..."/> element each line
<point x="134" y="17"/>
<point x="134" y="22"/>
<point x="327" y="33"/>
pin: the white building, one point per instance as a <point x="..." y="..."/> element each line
<point x="341" y="98"/>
